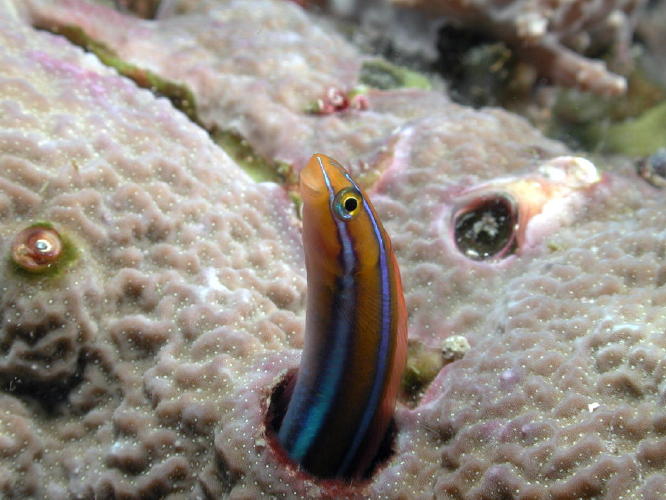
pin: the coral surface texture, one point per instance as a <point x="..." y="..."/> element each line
<point x="152" y="292"/>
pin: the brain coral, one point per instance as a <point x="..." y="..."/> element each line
<point x="167" y="231"/>
<point x="143" y="368"/>
<point x="562" y="392"/>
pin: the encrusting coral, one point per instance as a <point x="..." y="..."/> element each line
<point x="178" y="251"/>
<point x="292" y="67"/>
<point x="144" y="366"/>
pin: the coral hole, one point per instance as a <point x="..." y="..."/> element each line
<point x="485" y="227"/>
<point x="276" y="408"/>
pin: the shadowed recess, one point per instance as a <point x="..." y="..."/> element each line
<point x="277" y="405"/>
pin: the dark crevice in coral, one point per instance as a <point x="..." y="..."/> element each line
<point x="478" y="69"/>
<point x="279" y="400"/>
<point x="145" y="9"/>
<point x="49" y="396"/>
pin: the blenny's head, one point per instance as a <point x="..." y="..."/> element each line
<point x="337" y="216"/>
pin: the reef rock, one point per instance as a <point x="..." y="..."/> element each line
<point x="143" y="365"/>
<point x="185" y="269"/>
<point x="295" y="65"/>
<point x="552" y="35"/>
<point x="561" y="394"/>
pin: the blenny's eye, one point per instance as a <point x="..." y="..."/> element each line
<point x="486" y="227"/>
<point x="36" y="248"/>
<point x="347" y="203"/>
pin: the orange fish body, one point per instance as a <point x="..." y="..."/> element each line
<point x="356" y="329"/>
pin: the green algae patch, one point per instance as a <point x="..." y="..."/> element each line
<point x="296" y="199"/>
<point x="52" y="268"/>
<point x="381" y="74"/>
<point x="180" y="96"/>
<point x="553" y="246"/>
<point x="644" y="135"/>
<point x="423" y="365"/>
<point x="632" y="124"/>
<point x="257" y="167"/>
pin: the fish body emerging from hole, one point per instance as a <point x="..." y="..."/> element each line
<point x="356" y="330"/>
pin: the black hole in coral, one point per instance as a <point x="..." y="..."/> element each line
<point x="350" y="204"/>
<point x="485" y="228"/>
<point x="277" y="407"/>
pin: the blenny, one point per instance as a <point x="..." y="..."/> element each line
<point x="345" y="391"/>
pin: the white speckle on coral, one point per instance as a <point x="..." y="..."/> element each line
<point x="213" y="281"/>
<point x="620" y="327"/>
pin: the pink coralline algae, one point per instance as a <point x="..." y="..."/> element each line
<point x="144" y="367"/>
<point x="553" y="35"/>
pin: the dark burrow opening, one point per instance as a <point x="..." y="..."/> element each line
<point x="276" y="408"/>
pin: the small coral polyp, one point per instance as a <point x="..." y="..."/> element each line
<point x="37" y="248"/>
